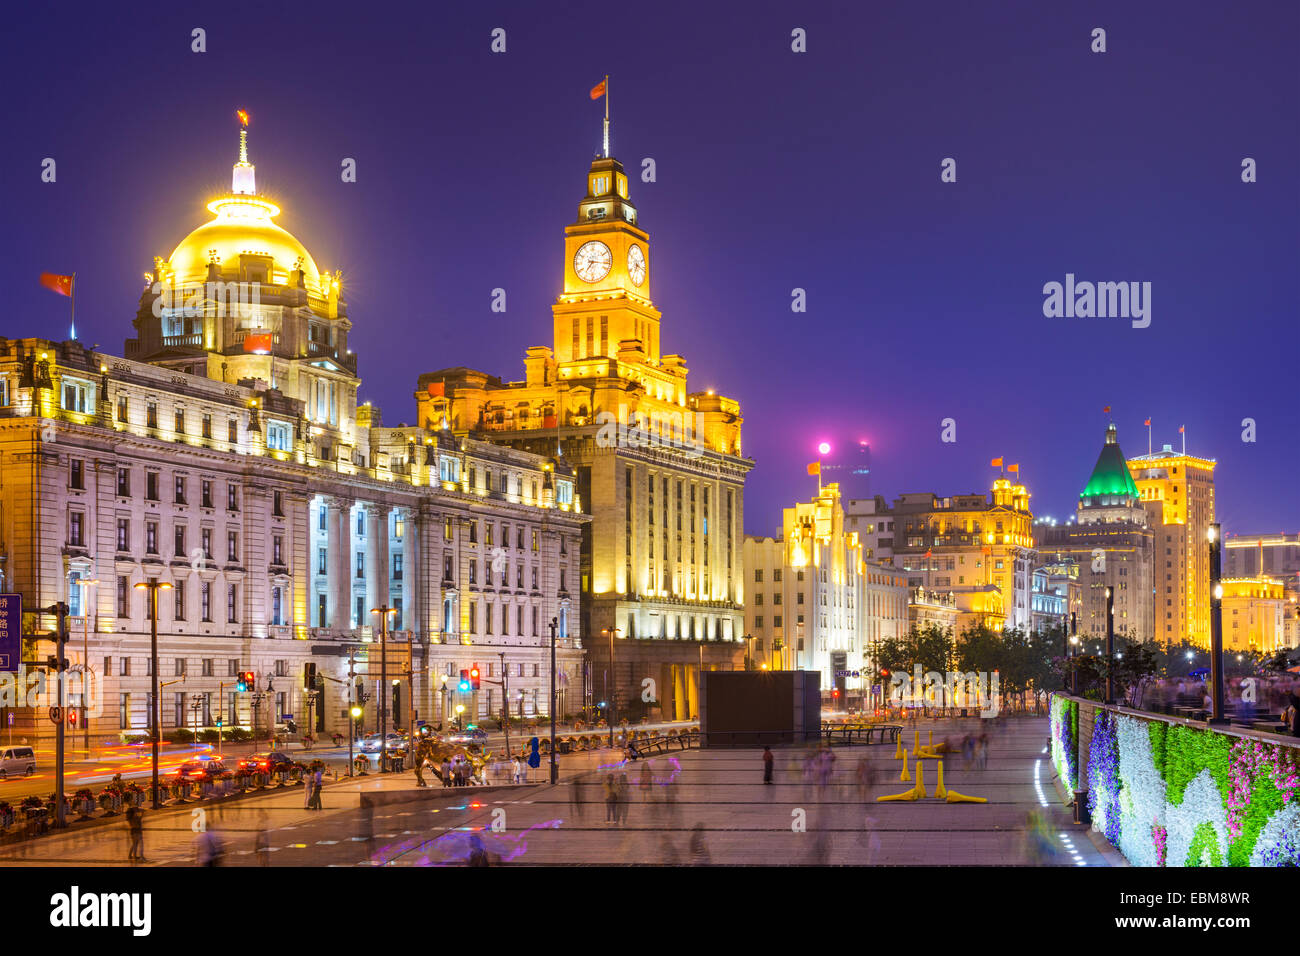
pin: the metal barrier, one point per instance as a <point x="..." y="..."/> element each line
<point x="835" y="733"/>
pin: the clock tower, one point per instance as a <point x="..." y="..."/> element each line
<point x="605" y="306"/>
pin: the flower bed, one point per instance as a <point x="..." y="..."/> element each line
<point x="1177" y="795"/>
<point x="1065" y="743"/>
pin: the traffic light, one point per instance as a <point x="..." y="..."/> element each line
<point x="473" y="677"/>
<point x="72" y="718"/>
<point x="463" y="686"/>
<point x="246" y="682"/>
<point x="309" y="675"/>
<point x="835" y="693"/>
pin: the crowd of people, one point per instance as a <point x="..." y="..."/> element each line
<point x="1247" y="698"/>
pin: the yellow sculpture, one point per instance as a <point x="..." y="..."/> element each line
<point x="436" y="752"/>
<point x="905" y="776"/>
<point x="920" y="781"/>
<point x="916" y="742"/>
<point x="918" y="789"/>
<point x="898" y="754"/>
<point x="940" y="792"/>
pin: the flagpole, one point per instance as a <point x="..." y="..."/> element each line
<point x="607" y="119"/>
<point x="1183" y="432"/>
<point x="72" y="294"/>
<point x="1148" y="438"/>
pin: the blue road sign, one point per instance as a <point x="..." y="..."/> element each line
<point x="11" y="630"/>
<point x="534" y="756"/>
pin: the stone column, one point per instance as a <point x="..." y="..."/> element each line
<point x="339" y="567"/>
<point x="377" y="559"/>
<point x="411" y="576"/>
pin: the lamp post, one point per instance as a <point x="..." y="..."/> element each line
<point x="505" y="698"/>
<point x="85" y="586"/>
<point x="1110" y="645"/>
<point x="383" y="613"/>
<point x="609" y="701"/>
<point x="555" y="767"/>
<point x="1216" y="628"/>
<point x="153" y="586"/>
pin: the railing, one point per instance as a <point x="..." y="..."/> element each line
<point x="192" y="338"/>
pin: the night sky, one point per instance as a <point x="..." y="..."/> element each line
<point x="775" y="170"/>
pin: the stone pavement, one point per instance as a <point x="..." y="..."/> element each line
<point x="697" y="807"/>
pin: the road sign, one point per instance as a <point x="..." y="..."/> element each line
<point x="286" y="716"/>
<point x="56" y="715"/>
<point x="11" y="629"/>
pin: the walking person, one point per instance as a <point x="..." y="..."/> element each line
<point x="624" y="797"/>
<point x="647" y="781"/>
<point x="308" y="785"/>
<point x="578" y="795"/>
<point x="768" y="760"/>
<point x="517" y="769"/>
<point x="446" y="772"/>
<point x="318" y="780"/>
<point x="611" y="799"/>
<point x="208" y="848"/>
<point x="135" y="828"/>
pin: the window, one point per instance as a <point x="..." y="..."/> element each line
<point x="562" y="584"/>
<point x="277" y="436"/>
<point x="207" y="426"/>
<point x="322" y="561"/>
<point x="205" y="494"/>
<point x="151" y="485"/>
<point x="361" y="523"/>
<point x="123" y="600"/>
<point x="361" y="564"/>
<point x="446" y="529"/>
<point x="277" y="549"/>
<point x="277" y="606"/>
<point x="206" y="537"/>
<point x="121" y="408"/>
<point x="124" y="667"/>
<point x="232" y="496"/>
<point x="179" y="592"/>
<point x="78" y="396"/>
<point x="473" y="532"/>
<point x="534" y="534"/>
<point x="232" y="594"/>
<point x="232" y="667"/>
<point x="448" y="468"/>
<point x="151" y="415"/>
<point x="77" y="474"/>
<point x="277" y="504"/>
<point x="205" y="601"/>
<point x="232" y="431"/>
<point x="151" y="537"/>
<point x="76" y="533"/>
<point x="123" y="483"/>
<point x="180" y="490"/>
<point x="534" y="577"/>
<point x="180" y="667"/>
<point x="232" y="547"/>
<point x="397" y="565"/>
<point x="123" y="534"/>
<point x="758" y="576"/>
<point x="180" y="422"/>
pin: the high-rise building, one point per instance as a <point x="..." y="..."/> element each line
<point x="659" y="467"/>
<point x="281" y="512"/>
<point x="1177" y="491"/>
<point x="1112" y="545"/>
<point x="965" y="544"/>
<point x="814" y="603"/>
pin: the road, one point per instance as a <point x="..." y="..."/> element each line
<point x="699" y="807"/>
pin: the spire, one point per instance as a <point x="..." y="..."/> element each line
<point x="1110" y="479"/>
<point x="242" y="180"/>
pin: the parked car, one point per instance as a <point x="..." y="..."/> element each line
<point x="266" y="763"/>
<point x="200" y="769"/>
<point x="17" y="760"/>
<point x="373" y="743"/>
<point x="470" y="735"/>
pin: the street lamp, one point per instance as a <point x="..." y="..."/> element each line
<point x="383" y="613"/>
<point x="609" y="713"/>
<point x="153" y="586"/>
<point x="1216" y="627"/>
<point x="1110" y="645"/>
<point x="555" y="768"/>
<point x="85" y="586"/>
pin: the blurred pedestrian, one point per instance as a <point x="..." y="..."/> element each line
<point x="318" y="781"/>
<point x="262" y="842"/>
<point x="135" y="827"/>
<point x="624" y="796"/>
<point x="699" y="849"/>
<point x="611" y="799"/>
<point x="445" y="772"/>
<point x="518" y="769"/>
<point x="647" y="781"/>
<point x="768" y="760"/>
<point x="578" y="795"/>
<point x="209" y="849"/>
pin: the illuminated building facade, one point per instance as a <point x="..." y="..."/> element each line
<point x="231" y="460"/>
<point x="1248" y="555"/>
<point x="659" y="467"/>
<point x="1177" y="491"/>
<point x="966" y="544"/>
<point x="1056" y="580"/>
<point x="814" y="603"/>
<point x="1254" y="614"/>
<point x="1112" y="546"/>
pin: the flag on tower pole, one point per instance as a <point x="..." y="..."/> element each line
<point x="63" y="285"/>
<point x="996" y="463"/>
<point x="1148" y="424"/>
<point x="597" y="91"/>
<point x="1182" y="431"/>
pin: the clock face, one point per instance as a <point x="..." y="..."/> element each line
<point x="636" y="265"/>
<point x="592" y="261"/>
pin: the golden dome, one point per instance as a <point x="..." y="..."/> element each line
<point x="243" y="226"/>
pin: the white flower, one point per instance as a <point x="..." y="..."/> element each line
<point x="1142" y="794"/>
<point x="1202" y="803"/>
<point x="1279" y="838"/>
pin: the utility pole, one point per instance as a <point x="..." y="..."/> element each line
<point x="505" y="699"/>
<point x="85" y="659"/>
<point x="153" y="586"/>
<point x="555" y="767"/>
<point x="1216" y="629"/>
<point x="383" y="613"/>
<point x="1110" y="645"/>
<point x="60" y="611"/>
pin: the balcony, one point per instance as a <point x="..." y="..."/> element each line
<point x="187" y="340"/>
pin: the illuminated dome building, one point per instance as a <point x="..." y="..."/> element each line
<point x="1113" y="545"/>
<point x="240" y="299"/>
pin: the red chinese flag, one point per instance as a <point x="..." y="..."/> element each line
<point x="1147" y="423"/>
<point x="598" y="90"/>
<point x="996" y="463"/>
<point x="1106" y="410"/>
<point x="436" y="389"/>
<point x="1180" y="428"/>
<point x="60" y="284"/>
<point x="1014" y="469"/>
<point x="260" y="342"/>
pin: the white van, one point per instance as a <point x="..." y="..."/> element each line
<point x="16" y="760"/>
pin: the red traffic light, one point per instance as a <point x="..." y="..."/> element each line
<point x="72" y="717"/>
<point x="835" y="692"/>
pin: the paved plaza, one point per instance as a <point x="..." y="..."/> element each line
<point x="693" y="807"/>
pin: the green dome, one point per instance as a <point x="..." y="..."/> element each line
<point x="1110" y="479"/>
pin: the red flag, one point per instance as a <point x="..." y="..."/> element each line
<point x="815" y="468"/>
<point x="1014" y="469"/>
<point x="598" y="90"/>
<point x="1147" y="423"/>
<point x="1106" y="410"/>
<point x="996" y="463"/>
<point x="258" y="342"/>
<point x="60" y="284"/>
<point x="436" y="390"/>
<point x="1180" y="428"/>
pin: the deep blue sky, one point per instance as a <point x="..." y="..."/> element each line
<point x="775" y="170"/>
